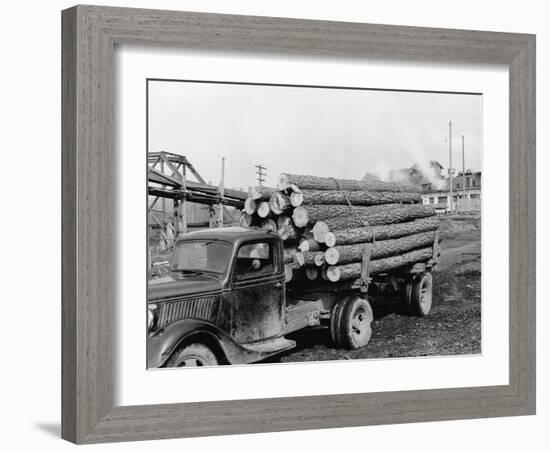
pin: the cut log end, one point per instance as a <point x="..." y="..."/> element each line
<point x="263" y="209"/>
<point x="330" y="239"/>
<point x="331" y="273"/>
<point x="312" y="273"/>
<point x="279" y="202"/>
<point x="296" y="199"/>
<point x="319" y="259"/>
<point x="332" y="255"/>
<point x="250" y="206"/>
<point x="320" y="230"/>
<point x="300" y="216"/>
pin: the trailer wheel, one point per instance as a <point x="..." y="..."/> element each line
<point x="418" y="295"/>
<point x="336" y="322"/>
<point x="193" y="355"/>
<point x="351" y="323"/>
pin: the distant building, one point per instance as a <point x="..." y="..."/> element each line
<point x="466" y="194"/>
<point x="435" y="186"/>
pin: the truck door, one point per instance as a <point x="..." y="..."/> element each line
<point x="258" y="294"/>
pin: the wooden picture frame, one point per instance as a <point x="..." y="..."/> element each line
<point x="89" y="37"/>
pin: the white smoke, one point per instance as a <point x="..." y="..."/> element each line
<point x="427" y="168"/>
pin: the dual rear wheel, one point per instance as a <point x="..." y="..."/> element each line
<point x="350" y="322"/>
<point x="417" y="295"/>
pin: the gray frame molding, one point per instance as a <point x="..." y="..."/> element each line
<point x="89" y="36"/>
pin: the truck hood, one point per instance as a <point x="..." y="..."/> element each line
<point x="176" y="285"/>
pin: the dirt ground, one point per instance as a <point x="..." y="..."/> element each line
<point x="454" y="325"/>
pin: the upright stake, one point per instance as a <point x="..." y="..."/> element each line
<point x="451" y="166"/>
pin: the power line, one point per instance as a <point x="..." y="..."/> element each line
<point x="261" y="172"/>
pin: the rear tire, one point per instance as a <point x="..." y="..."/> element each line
<point x="350" y="323"/>
<point x="418" y="295"/>
<point x="335" y="322"/>
<point x="193" y="355"/>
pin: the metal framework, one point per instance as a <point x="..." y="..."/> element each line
<point x="167" y="179"/>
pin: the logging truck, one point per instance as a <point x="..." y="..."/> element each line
<point x="225" y="300"/>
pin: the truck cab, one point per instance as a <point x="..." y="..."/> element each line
<point x="222" y="303"/>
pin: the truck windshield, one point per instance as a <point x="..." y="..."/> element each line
<point x="201" y="256"/>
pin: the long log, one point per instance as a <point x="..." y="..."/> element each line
<point x="279" y="203"/>
<point x="380" y="232"/>
<point x="374" y="215"/>
<point x="367" y="216"/>
<point x="360" y="198"/>
<point x="353" y="270"/>
<point x="326" y="183"/>
<point x="346" y="254"/>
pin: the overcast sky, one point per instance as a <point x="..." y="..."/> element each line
<point x="327" y="132"/>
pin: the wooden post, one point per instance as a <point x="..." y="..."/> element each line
<point x="435" y="247"/>
<point x="365" y="268"/>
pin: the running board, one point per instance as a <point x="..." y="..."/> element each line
<point x="271" y="346"/>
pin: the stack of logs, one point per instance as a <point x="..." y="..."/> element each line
<point x="326" y="222"/>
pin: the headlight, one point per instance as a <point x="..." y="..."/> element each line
<point x="151" y="316"/>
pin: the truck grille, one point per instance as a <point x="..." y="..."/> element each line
<point x="204" y="308"/>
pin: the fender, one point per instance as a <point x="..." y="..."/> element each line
<point x="162" y="343"/>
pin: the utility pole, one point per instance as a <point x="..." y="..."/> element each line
<point x="222" y="192"/>
<point x="262" y="172"/>
<point x="451" y="166"/>
<point x="463" y="171"/>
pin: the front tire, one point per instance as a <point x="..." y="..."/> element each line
<point x="193" y="355"/>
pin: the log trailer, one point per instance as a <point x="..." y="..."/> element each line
<point x="225" y="300"/>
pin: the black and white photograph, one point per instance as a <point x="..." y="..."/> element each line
<point x="293" y="223"/>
